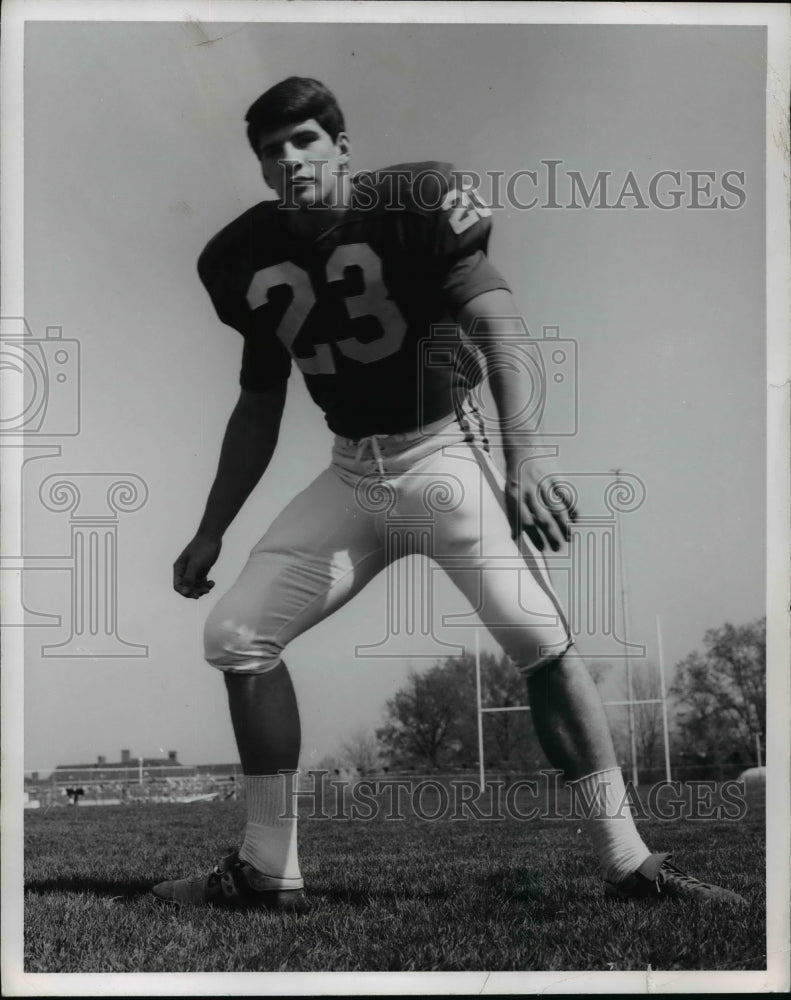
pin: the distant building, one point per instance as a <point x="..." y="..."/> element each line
<point x="128" y="767"/>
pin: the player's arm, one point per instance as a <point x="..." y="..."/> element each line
<point x="497" y="333"/>
<point x="473" y="290"/>
<point x="248" y="445"/>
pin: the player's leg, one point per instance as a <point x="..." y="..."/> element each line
<point x="572" y="728"/>
<point x="569" y="717"/>
<point x="472" y="542"/>
<point x="317" y="554"/>
<point x="265" y="719"/>
<point x="507" y="583"/>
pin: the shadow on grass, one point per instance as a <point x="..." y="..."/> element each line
<point x="132" y="888"/>
<point x="124" y="888"/>
<point x="519" y="890"/>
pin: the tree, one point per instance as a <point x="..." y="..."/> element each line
<point x="425" y="718"/>
<point x="648" y="734"/>
<point x="509" y="737"/>
<point x="721" y="693"/>
<point x="361" y="751"/>
<point x="433" y="719"/>
<point x="329" y="763"/>
<point x="648" y="718"/>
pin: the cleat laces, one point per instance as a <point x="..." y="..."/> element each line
<point x="677" y="875"/>
<point x="658" y="876"/>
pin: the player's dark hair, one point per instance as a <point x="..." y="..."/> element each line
<point x="294" y="100"/>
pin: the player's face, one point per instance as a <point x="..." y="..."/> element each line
<point x="303" y="164"/>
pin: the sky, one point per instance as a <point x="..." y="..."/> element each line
<point x="135" y="155"/>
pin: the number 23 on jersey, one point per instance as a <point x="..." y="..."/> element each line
<point x="372" y="301"/>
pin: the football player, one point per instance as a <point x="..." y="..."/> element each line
<point x="347" y="278"/>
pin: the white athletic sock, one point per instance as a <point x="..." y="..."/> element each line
<point x="270" y="837"/>
<point x="602" y="797"/>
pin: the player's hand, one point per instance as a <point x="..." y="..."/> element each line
<point x="535" y="507"/>
<point x="191" y="567"/>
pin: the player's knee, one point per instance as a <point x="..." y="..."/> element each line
<point x="544" y="658"/>
<point x="237" y="647"/>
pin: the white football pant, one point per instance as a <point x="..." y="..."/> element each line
<point x="434" y="492"/>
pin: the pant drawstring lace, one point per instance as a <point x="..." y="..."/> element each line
<point x="372" y="441"/>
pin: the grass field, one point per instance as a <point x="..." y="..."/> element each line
<point x="384" y="895"/>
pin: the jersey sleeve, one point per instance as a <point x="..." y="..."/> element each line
<point x="469" y="277"/>
<point x="456" y="235"/>
<point x="265" y="360"/>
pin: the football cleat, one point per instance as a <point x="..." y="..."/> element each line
<point x="236" y="885"/>
<point x="657" y="878"/>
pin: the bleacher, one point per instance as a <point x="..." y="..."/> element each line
<point x="131" y="780"/>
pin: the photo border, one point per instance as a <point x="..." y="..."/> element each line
<point x="775" y="17"/>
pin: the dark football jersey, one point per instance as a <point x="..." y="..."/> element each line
<point x="355" y="307"/>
